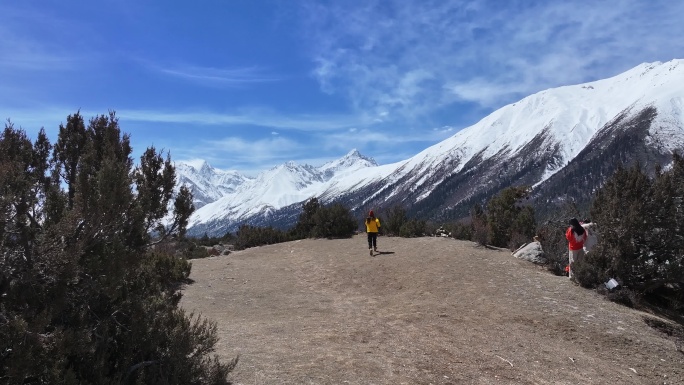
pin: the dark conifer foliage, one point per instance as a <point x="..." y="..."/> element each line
<point x="306" y="221"/>
<point x="315" y="221"/>
<point x="552" y="237"/>
<point x="642" y="236"/>
<point x="85" y="297"/>
<point x="510" y="223"/>
<point x="478" y="220"/>
<point x="252" y="236"/>
<point x="318" y="221"/>
<point x="396" y="218"/>
<point x="333" y="221"/>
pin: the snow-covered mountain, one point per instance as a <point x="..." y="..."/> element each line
<point x="207" y="183"/>
<point x="551" y="140"/>
<point x="229" y="198"/>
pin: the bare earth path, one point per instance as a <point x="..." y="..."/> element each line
<point x="425" y="311"/>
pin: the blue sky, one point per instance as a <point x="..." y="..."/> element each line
<point x="249" y="84"/>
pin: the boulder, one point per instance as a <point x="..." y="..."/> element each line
<point x="219" y="248"/>
<point x="531" y="252"/>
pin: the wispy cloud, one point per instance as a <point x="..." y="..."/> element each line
<point x="254" y="156"/>
<point x="248" y="156"/>
<point x="383" y="143"/>
<point x="406" y="58"/>
<point x="254" y="116"/>
<point x="27" y="56"/>
<point x="218" y="77"/>
<point x="49" y="118"/>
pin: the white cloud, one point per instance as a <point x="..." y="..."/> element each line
<point x="380" y="140"/>
<point x="408" y="58"/>
<point x="247" y="155"/>
<point x="254" y="116"/>
<point x="217" y="77"/>
<point x="486" y="93"/>
<point x="49" y="118"/>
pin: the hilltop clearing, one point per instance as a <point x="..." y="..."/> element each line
<point x="424" y="311"/>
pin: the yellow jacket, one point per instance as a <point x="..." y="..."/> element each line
<point x="372" y="225"/>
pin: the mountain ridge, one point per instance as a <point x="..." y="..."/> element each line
<point x="526" y="142"/>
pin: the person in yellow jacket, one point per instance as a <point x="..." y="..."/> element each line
<point x="372" y="227"/>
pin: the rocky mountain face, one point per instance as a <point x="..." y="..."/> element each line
<point x="563" y="142"/>
<point x="207" y="183"/>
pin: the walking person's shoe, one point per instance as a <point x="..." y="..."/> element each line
<point x="370" y="251"/>
<point x="375" y="249"/>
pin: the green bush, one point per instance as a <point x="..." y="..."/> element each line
<point x="188" y="248"/>
<point x="625" y="296"/>
<point x="252" y="236"/>
<point x="399" y="224"/>
<point x="334" y="221"/>
<point x="507" y="222"/>
<point x="460" y="231"/>
<point x="590" y="271"/>
<point x="318" y="221"/>
<point x="506" y="216"/>
<point x="430" y="228"/>
<point x="642" y="239"/>
<point x="478" y="220"/>
<point x="555" y="246"/>
<point x="396" y="218"/>
<point x="306" y="222"/>
<point x="552" y="238"/>
<point x="412" y="228"/>
<point x="206" y="240"/>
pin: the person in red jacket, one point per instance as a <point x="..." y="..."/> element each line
<point x="576" y="236"/>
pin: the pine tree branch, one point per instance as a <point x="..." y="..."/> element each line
<point x="165" y="235"/>
<point x="33" y="220"/>
<point x="139" y="365"/>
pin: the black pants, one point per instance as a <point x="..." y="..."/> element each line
<point x="372" y="240"/>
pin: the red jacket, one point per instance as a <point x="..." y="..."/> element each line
<point x="575" y="242"/>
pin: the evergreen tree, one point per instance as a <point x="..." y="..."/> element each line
<point x="621" y="209"/>
<point x="252" y="236"/>
<point x="642" y="241"/>
<point x="478" y="220"/>
<point x="396" y="218"/>
<point x="306" y="221"/>
<point x="413" y="228"/>
<point x="334" y="221"/>
<point x="86" y="299"/>
<point x="505" y="217"/>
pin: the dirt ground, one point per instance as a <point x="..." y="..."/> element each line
<point x="423" y="311"/>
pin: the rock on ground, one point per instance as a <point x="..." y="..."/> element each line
<point x="531" y="252"/>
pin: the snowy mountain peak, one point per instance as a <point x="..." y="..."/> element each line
<point x="195" y="164"/>
<point x="351" y="162"/>
<point x="528" y="142"/>
<point x="354" y="156"/>
<point x="206" y="183"/>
